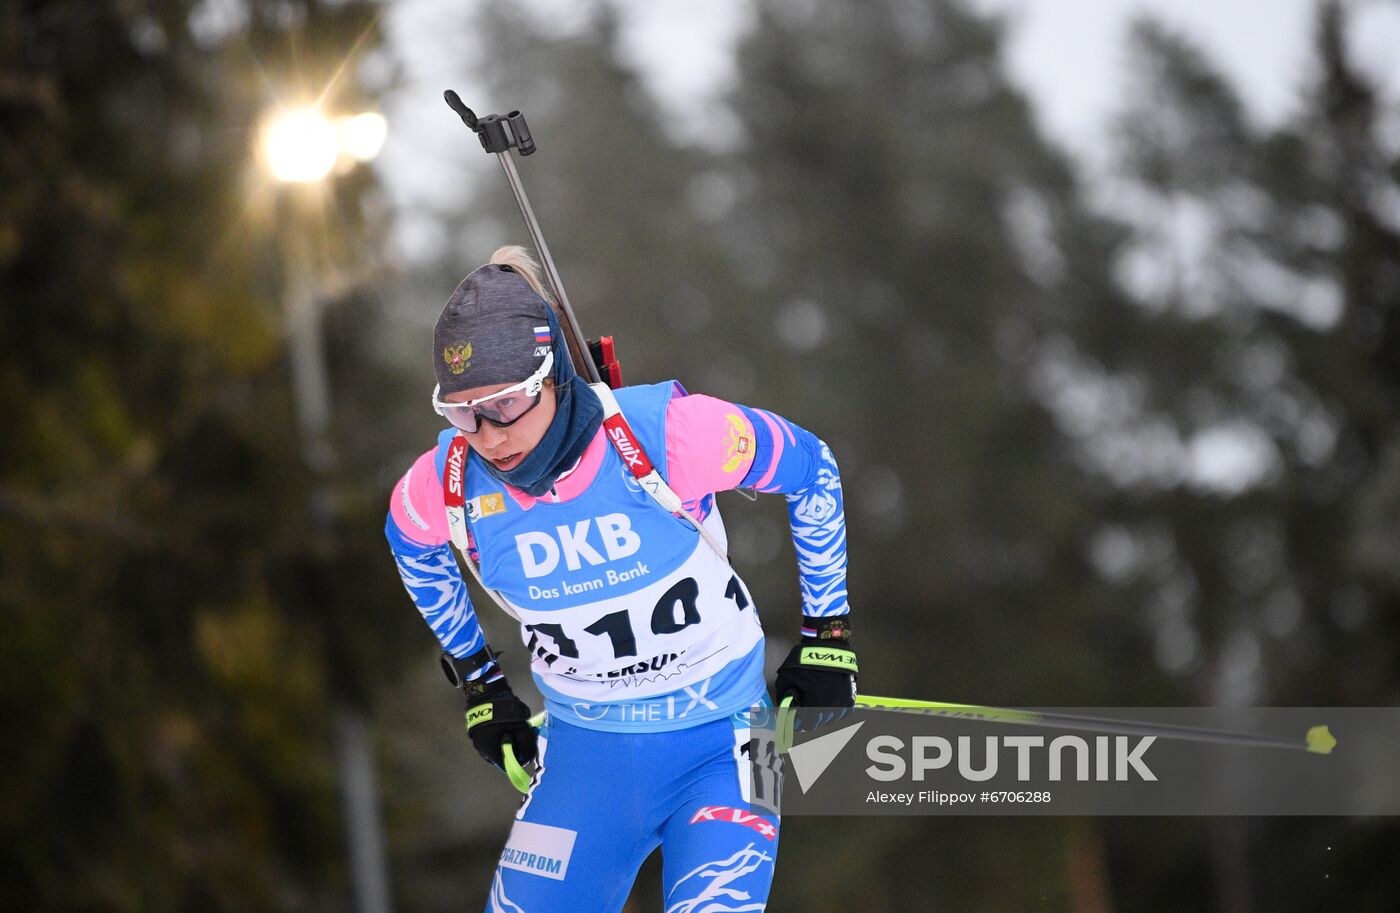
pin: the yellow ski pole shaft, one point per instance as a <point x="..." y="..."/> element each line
<point x="1318" y="739"/>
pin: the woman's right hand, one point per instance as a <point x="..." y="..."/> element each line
<point x="495" y="716"/>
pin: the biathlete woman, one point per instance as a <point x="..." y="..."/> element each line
<point x="643" y="640"/>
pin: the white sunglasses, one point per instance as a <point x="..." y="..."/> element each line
<point x="508" y="405"/>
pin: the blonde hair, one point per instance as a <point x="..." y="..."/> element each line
<point x="519" y="259"/>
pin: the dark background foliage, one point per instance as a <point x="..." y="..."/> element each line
<point x="1023" y="372"/>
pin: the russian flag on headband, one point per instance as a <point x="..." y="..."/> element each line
<point x="542" y="334"/>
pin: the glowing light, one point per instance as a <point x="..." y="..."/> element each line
<point x="362" y="136"/>
<point x="300" y="146"/>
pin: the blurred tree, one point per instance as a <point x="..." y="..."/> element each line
<point x="914" y="243"/>
<point x="162" y="687"/>
<point x="1257" y="367"/>
<point x="1244" y="405"/>
<point x="910" y="245"/>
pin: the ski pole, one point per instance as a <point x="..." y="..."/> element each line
<point x="1318" y="739"/>
<point x="499" y="133"/>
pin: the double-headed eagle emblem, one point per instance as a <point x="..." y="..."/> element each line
<point x="458" y="357"/>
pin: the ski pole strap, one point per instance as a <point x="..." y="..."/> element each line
<point x="624" y="440"/>
<point x="519" y="776"/>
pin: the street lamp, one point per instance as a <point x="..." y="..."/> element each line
<point x="303" y="147"/>
<point x="362" y="136"/>
<point x="300" y="146"/>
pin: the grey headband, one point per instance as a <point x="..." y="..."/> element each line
<point x="493" y="330"/>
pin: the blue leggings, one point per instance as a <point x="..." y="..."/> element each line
<point x="602" y="801"/>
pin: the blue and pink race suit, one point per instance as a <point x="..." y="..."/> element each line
<point x="644" y="642"/>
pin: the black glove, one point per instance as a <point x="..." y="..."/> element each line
<point x="821" y="670"/>
<point x="494" y="714"/>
